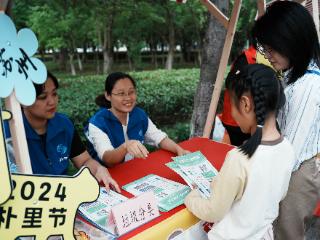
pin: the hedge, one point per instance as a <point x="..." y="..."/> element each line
<point x="167" y="96"/>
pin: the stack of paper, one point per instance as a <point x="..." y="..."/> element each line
<point x="195" y="169"/>
<point x="169" y="194"/>
<point x="98" y="212"/>
<point x="84" y="230"/>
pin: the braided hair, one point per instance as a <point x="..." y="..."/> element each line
<point x="267" y="94"/>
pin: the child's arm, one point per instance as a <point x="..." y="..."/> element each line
<point x="226" y="188"/>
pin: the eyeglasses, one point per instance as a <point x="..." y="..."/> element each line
<point x="264" y="50"/>
<point x="130" y="93"/>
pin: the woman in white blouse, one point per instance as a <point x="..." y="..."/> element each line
<point x="287" y="36"/>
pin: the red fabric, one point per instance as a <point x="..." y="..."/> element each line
<point x="155" y="163"/>
<point x="226" y="117"/>
<point x="251" y="53"/>
<point x="317" y="211"/>
<point x="207" y="226"/>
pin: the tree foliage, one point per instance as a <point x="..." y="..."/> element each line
<point x="105" y="25"/>
<point x="245" y="23"/>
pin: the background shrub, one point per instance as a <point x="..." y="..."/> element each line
<point x="167" y="96"/>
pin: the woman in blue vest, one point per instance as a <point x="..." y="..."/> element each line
<point x="287" y="36"/>
<point x="119" y="129"/>
<point x="53" y="140"/>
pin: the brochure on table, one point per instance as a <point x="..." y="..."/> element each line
<point x="169" y="194"/>
<point x="98" y="212"/>
<point x="194" y="168"/>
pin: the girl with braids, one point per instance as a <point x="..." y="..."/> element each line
<point x="254" y="178"/>
<point x="287" y="36"/>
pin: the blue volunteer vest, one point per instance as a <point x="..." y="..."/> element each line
<point x="107" y="122"/>
<point x="55" y="160"/>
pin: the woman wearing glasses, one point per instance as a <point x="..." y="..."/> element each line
<point x="288" y="38"/>
<point x="119" y="129"/>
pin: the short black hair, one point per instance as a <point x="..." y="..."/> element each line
<point x="288" y="28"/>
<point x="111" y="80"/>
<point x="267" y="93"/>
<point x="40" y="87"/>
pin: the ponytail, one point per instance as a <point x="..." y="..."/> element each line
<point x="101" y="101"/>
<point x="250" y="146"/>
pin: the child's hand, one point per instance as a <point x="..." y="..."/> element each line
<point x="194" y="186"/>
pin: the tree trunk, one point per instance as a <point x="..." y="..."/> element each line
<point x="79" y="62"/>
<point x="154" y="57"/>
<point x="162" y="54"/>
<point x="72" y="67"/>
<point x="153" y="50"/>
<point x="199" y="57"/>
<point x="200" y="35"/>
<point x="42" y="53"/>
<point x="211" y="54"/>
<point x="97" y="52"/>
<point x="130" y="63"/>
<point x="185" y="49"/>
<point x="63" y="55"/>
<point x="84" y="56"/>
<point x="107" y="45"/>
<point x="107" y="61"/>
<point x="97" y="59"/>
<point x="171" y="39"/>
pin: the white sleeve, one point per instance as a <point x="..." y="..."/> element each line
<point x="99" y="140"/>
<point x="153" y="135"/>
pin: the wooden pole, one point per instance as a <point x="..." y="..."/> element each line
<point x="6" y="189"/>
<point x="216" y="12"/>
<point x="315" y="14"/>
<point x="18" y="134"/>
<point x="222" y="68"/>
<point x="3" y="5"/>
<point x="261" y="5"/>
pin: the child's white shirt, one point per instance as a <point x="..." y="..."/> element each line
<point x="245" y="195"/>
